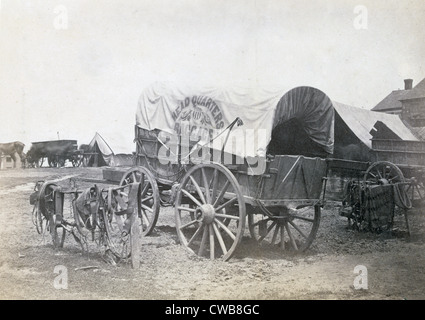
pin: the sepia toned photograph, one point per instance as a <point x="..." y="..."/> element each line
<point x="186" y="151"/>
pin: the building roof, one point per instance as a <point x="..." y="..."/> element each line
<point x="419" y="132"/>
<point x="361" y="121"/>
<point x="392" y="101"/>
<point x="417" y="92"/>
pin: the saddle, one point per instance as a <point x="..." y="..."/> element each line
<point x="87" y="206"/>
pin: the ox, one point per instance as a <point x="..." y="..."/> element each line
<point x="354" y="152"/>
<point x="14" y="150"/>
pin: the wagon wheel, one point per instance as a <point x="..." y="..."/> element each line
<point x="150" y="201"/>
<point x="297" y="228"/>
<point x="416" y="190"/>
<point x="384" y="173"/>
<point x="38" y="218"/>
<point x="117" y="228"/>
<point x="121" y="222"/>
<point x="210" y="211"/>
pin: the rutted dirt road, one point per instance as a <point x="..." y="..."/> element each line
<point x="395" y="263"/>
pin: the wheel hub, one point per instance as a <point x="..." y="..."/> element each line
<point x="205" y="214"/>
<point x="383" y="181"/>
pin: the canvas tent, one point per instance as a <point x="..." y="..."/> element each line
<point x="204" y="114"/>
<point x="354" y="127"/>
<point x="98" y="153"/>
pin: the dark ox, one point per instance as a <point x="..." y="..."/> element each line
<point x="353" y="152"/>
<point x="339" y="177"/>
<point x="13" y="149"/>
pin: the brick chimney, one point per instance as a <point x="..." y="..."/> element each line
<point x="408" y="84"/>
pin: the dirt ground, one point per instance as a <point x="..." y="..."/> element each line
<point x="395" y="263"/>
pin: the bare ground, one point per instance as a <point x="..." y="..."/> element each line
<point x="395" y="262"/>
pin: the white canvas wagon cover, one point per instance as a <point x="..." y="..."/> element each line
<point x="204" y="113"/>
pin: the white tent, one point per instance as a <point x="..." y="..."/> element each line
<point x="99" y="153"/>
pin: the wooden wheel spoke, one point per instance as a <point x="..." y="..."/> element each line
<point x="188" y="224"/>
<point x="147" y="208"/>
<point x="373" y="176"/>
<point x="198" y="189"/>
<point x="298" y="229"/>
<point x="226" y="216"/>
<point x="186" y="209"/>
<point x="291" y="237"/>
<point x="282" y="237"/>
<point x="203" y="241"/>
<point x="227" y="203"/>
<point x="385" y="172"/>
<point x="191" y="197"/>
<point x="212" y="249"/>
<point x="145" y="189"/>
<point x="224" y="227"/>
<point x="222" y="192"/>
<point x="276" y="231"/>
<point x="214" y="185"/>
<point x="197" y="232"/>
<point x="220" y="239"/>
<point x="146" y="199"/>
<point x="133" y="176"/>
<point x="260" y="221"/>
<point x="267" y="231"/>
<point x="145" y="218"/>
<point x="206" y="186"/>
<point x="391" y="179"/>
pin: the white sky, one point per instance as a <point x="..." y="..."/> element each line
<point x="88" y="77"/>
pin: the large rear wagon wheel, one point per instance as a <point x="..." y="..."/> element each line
<point x="149" y="201"/>
<point x="387" y="173"/>
<point x="383" y="172"/>
<point x="297" y="228"/>
<point x="210" y="211"/>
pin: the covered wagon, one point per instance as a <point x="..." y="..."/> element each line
<point x="219" y="156"/>
<point x="55" y="151"/>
